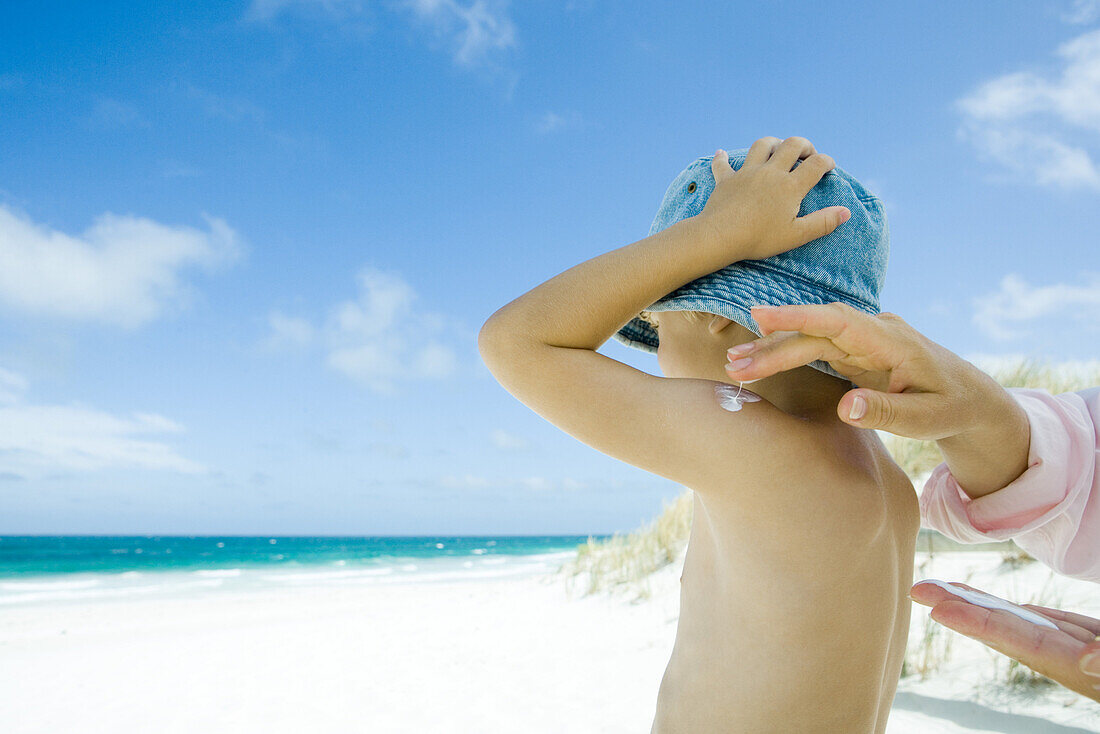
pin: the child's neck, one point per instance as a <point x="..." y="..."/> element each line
<point x="804" y="393"/>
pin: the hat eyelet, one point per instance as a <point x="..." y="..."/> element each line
<point x="691" y="187"/>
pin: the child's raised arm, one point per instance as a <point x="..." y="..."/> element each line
<point x="542" y="346"/>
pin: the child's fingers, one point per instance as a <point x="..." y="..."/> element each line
<point x="720" y="167"/>
<point x="790" y="151"/>
<point x="810" y="171"/>
<point x="816" y="225"/>
<point x="760" y="151"/>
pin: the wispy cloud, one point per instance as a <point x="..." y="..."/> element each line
<point x="12" y="386"/>
<point x="379" y="338"/>
<point x="114" y="113"/>
<point x="465" y="481"/>
<point x="551" y="122"/>
<point x="506" y="441"/>
<point x="122" y="270"/>
<point x="530" y="483"/>
<point x="260" y="10"/>
<point x="40" y="439"/>
<point x="1083" y="11"/>
<point x="1042" y="127"/>
<point x="289" y="331"/>
<point x="9" y="81"/>
<point x="223" y="107"/>
<point x="473" y="34"/>
<point x="1004" y="313"/>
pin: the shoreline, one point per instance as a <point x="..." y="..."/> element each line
<point x="458" y="655"/>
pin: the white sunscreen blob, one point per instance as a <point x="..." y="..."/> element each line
<point x="982" y="599"/>
<point x="731" y="399"/>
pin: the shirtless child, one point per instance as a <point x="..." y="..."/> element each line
<point x="793" y="608"/>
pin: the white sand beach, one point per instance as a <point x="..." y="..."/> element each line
<point x="519" y="654"/>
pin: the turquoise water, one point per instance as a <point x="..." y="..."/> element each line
<point x="56" y="569"/>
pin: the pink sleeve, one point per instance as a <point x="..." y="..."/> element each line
<point x="1052" y="510"/>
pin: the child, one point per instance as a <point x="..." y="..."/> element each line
<point x="793" y="608"/>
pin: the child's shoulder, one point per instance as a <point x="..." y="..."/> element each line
<point x="765" y="457"/>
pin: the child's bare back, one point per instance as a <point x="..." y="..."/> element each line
<point x="794" y="615"/>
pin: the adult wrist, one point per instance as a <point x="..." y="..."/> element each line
<point x="992" y="451"/>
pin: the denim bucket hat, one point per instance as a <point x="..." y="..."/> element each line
<point x="847" y="265"/>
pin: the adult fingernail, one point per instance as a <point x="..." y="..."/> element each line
<point x="742" y="348"/>
<point x="1090" y="664"/>
<point x="859" y="407"/>
<point x="739" y="364"/>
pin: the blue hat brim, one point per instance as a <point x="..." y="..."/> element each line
<point x="731" y="292"/>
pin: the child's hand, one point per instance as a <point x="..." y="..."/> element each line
<point x="754" y="210"/>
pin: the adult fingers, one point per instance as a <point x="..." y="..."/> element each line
<point x="852" y="330"/>
<point x="781" y="351"/>
<point x="932" y="594"/>
<point x="917" y="415"/>
<point x="1049" y="652"/>
<point x="1080" y="634"/>
<point x="786" y="350"/>
<point x="1088" y="623"/>
<point x="1089" y="663"/>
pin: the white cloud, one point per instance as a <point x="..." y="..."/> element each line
<point x="531" y="483"/>
<point x="267" y="9"/>
<point x="114" y="113"/>
<point x="1083" y="11"/>
<point x="536" y="484"/>
<point x="288" y="331"/>
<point x="122" y="270"/>
<point x="1025" y="121"/>
<point x="471" y="32"/>
<point x="10" y="81"/>
<point x="466" y="481"/>
<point x="12" y="386"/>
<point x="506" y="441"/>
<point x="552" y="122"/>
<point x="230" y="109"/>
<point x="379" y="338"/>
<point x="40" y="439"/>
<point x="1016" y="303"/>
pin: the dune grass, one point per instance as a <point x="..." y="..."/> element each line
<point x="623" y="563"/>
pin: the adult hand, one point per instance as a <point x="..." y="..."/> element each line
<point x="1069" y="655"/>
<point x="916" y="388"/>
<point x="907" y="385"/>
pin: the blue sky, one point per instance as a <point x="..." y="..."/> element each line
<point x="245" y="248"/>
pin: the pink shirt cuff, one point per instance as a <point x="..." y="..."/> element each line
<point x="1062" y="443"/>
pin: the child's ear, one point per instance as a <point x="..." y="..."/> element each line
<point x="717" y="323"/>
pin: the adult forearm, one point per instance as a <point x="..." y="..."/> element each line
<point x="585" y="305"/>
<point x="994" y="451"/>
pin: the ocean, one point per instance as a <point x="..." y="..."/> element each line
<point x="56" y="569"/>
